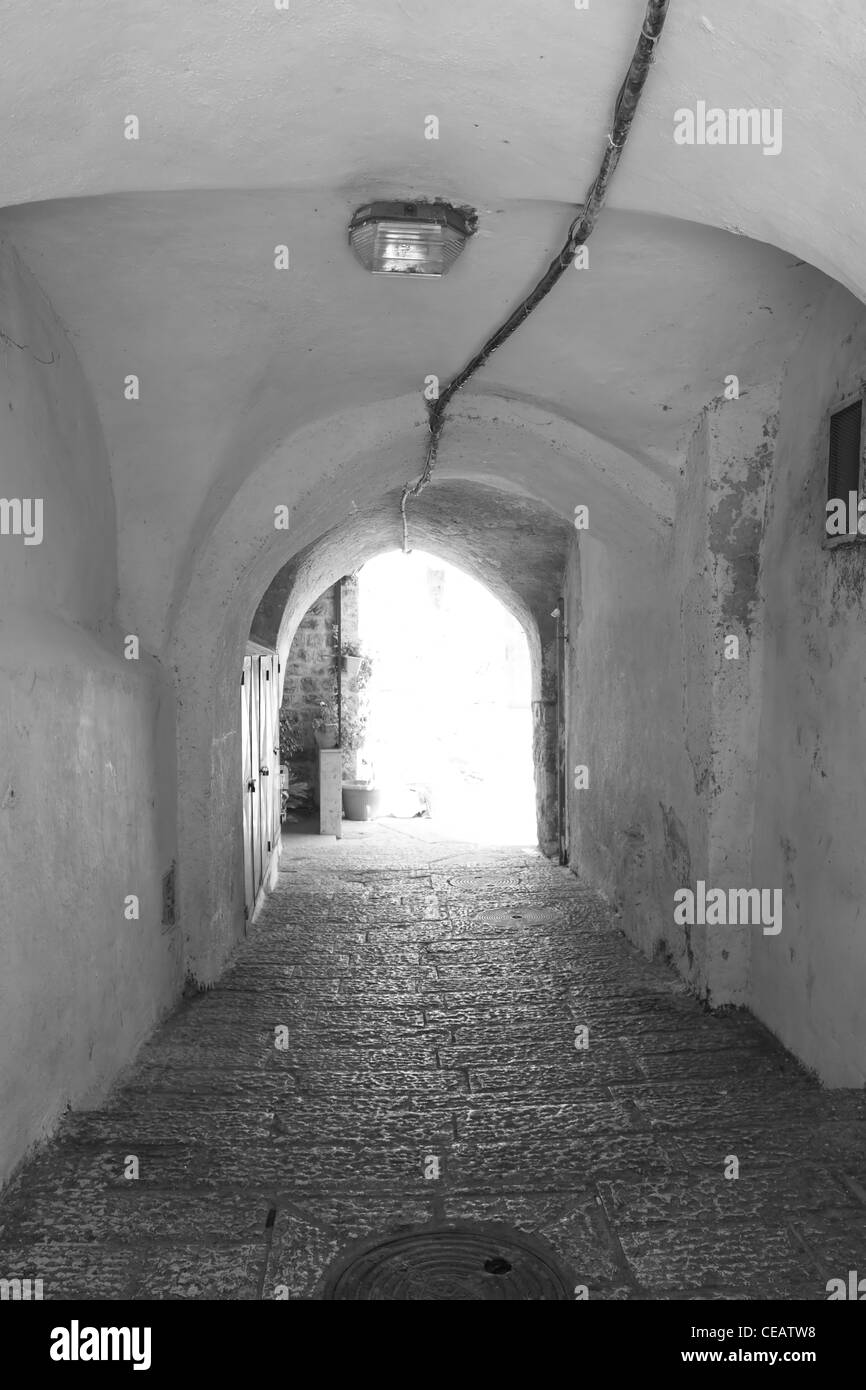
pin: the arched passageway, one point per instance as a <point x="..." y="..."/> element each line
<point x="209" y="413"/>
<point x="515" y="547"/>
<point x="423" y="679"/>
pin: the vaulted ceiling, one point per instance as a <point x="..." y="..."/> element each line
<point x="261" y="127"/>
<point x="516" y="548"/>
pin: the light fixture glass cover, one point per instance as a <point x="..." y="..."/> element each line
<point x="408" y="238"/>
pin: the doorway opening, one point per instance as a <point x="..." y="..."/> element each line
<point x="260" y="770"/>
<point x="446" y="709"/>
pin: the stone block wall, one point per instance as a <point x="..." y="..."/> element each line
<point x="313" y="668"/>
<point x="350" y="618"/>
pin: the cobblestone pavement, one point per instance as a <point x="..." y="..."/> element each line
<point x="431" y="991"/>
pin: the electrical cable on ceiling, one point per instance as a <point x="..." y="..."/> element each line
<point x="578" y="233"/>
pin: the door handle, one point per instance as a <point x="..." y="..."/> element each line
<point x="264" y="771"/>
<point x="251" y="786"/>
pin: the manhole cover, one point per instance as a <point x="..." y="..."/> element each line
<point x="455" y="1263"/>
<point x="515" y="916"/>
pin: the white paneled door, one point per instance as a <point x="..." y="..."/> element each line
<point x="260" y="768"/>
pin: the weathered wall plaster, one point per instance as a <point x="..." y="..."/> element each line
<point x="667" y="726"/>
<point x="738" y="771"/>
<point x="716" y="570"/>
<point x="85" y="742"/>
<point x="811" y="796"/>
<point x="87" y="788"/>
<point x="632" y="829"/>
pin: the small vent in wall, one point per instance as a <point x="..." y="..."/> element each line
<point x="843" y="473"/>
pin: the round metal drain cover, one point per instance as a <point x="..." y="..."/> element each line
<point x="456" y="1263"/>
<point x="528" y="916"/>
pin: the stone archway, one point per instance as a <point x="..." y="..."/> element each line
<point x="243" y="552"/>
<point x="515" y="547"/>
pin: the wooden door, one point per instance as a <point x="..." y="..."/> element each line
<point x="268" y="776"/>
<point x="260" y="757"/>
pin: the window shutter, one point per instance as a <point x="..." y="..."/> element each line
<point x="843" y="475"/>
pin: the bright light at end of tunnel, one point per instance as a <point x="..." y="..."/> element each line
<point x="449" y="694"/>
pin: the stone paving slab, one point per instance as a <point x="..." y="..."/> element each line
<point x="527" y="996"/>
<point x="371" y="915"/>
<point x="646" y="1046"/>
<point x="297" y="1260"/>
<point x="116" y="1129"/>
<point x="551" y="1122"/>
<point x="326" y="1028"/>
<point x="690" y="1105"/>
<point x="421" y="1026"/>
<point x="215" y="1272"/>
<point x="312" y="1081"/>
<point x="258" y="1052"/>
<point x="187" y="1168"/>
<point x="569" y="1222"/>
<point x="650" y="1010"/>
<point x="69" y="1270"/>
<point x="110" y="1216"/>
<point x="570" y="1161"/>
<point x="538" y="1011"/>
<point x="837" y="1241"/>
<point x="101" y="1272"/>
<point x="747" y="1065"/>
<point x="517" y="1034"/>
<point x="374" y="1124"/>
<point x="832" y="1142"/>
<point x="518" y="1073"/>
<point x="412" y="991"/>
<point x="707" y="1195"/>
<point x="748" y="1255"/>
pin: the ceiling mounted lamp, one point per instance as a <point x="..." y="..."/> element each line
<point x="409" y="238"/>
